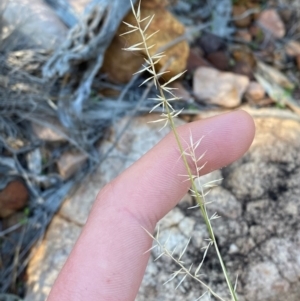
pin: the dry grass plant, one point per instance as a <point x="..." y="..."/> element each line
<point x="164" y="98"/>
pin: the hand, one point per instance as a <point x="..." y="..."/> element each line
<point x="108" y="260"/>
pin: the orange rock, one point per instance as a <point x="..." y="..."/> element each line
<point x="13" y="198"/>
<point x="245" y="62"/>
<point x="119" y="65"/>
<point x="243" y="54"/>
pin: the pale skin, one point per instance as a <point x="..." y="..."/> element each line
<point x="108" y="261"/>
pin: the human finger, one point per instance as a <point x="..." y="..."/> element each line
<point x="108" y="261"/>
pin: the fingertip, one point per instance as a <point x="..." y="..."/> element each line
<point x="243" y="126"/>
<point x="226" y="137"/>
<point x="247" y="123"/>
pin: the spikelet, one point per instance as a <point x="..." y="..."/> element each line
<point x="164" y="98"/>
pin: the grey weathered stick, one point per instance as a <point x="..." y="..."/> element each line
<point x="64" y="11"/>
<point x="87" y="41"/>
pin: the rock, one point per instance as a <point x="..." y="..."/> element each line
<point x="255" y="91"/>
<point x="13" y="198"/>
<point x="237" y="11"/>
<point x="36" y="21"/>
<point x="243" y="54"/>
<point x="176" y="239"/>
<point x="275" y="130"/>
<point x="119" y="65"/>
<point x="245" y="62"/>
<point x="15" y="143"/>
<point x="274" y="282"/>
<point x="186" y="226"/>
<point x="176" y="218"/>
<point x="244" y="35"/>
<point x="221" y="88"/>
<point x="214" y="176"/>
<point x="242" y="68"/>
<point x="219" y="59"/>
<point x="53" y="133"/>
<point x="270" y="21"/>
<point x="196" y="60"/>
<point x="69" y="163"/>
<point x="211" y="43"/>
<point x="233" y="249"/>
<point x="173" y="218"/>
<point x="200" y="235"/>
<point x="224" y="203"/>
<point x="292" y="48"/>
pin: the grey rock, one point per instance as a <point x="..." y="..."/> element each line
<point x="215" y="176"/>
<point x="36" y="21"/>
<point x="173" y="218"/>
<point x="259" y="233"/>
<point x="186" y="226"/>
<point x="175" y="239"/>
<point x="222" y="201"/>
